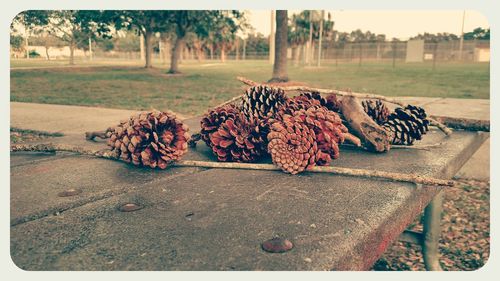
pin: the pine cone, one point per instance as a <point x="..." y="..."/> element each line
<point x="153" y="139"/>
<point x="377" y="110"/>
<point x="330" y="102"/>
<point x="238" y="139"/>
<point x="329" y="131"/>
<point x="214" y="118"/>
<point x="262" y="101"/>
<point x="407" y="124"/>
<point x="292" y="144"/>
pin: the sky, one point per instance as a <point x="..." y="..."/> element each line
<point x="393" y="23"/>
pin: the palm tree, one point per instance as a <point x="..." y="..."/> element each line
<point x="279" y="70"/>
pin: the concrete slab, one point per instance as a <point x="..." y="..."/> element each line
<point x="478" y="166"/>
<point x="216" y="220"/>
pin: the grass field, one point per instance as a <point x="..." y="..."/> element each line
<point x="125" y="84"/>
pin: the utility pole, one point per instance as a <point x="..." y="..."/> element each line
<point x="159" y="49"/>
<point x="244" y="55"/>
<point x="27" y="51"/>
<point x="90" y="48"/>
<point x="320" y="36"/>
<point x="272" y="38"/>
<point x="461" y="38"/>
<point x="309" y="53"/>
<point x="143" y="57"/>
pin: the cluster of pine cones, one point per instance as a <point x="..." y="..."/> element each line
<point x="405" y="124"/>
<point x="298" y="132"/>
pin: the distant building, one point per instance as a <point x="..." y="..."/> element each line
<point x="482" y="53"/>
<point x="415" y="51"/>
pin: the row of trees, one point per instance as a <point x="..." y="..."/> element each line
<point x="200" y="32"/>
<point x="75" y="27"/>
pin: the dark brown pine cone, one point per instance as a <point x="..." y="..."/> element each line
<point x="214" y="118"/>
<point x="407" y="124"/>
<point x="238" y="139"/>
<point x="377" y="110"/>
<point x="262" y="101"/>
<point x="153" y="139"/>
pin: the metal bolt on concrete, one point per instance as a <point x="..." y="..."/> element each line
<point x="277" y="245"/>
<point x="69" y="192"/>
<point x="130" y="207"/>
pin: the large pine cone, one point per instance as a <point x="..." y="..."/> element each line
<point x="292" y="144"/>
<point x="153" y="139"/>
<point x="262" y="101"/>
<point x="238" y="139"/>
<point x="329" y="131"/>
<point x="377" y="110"/>
<point x="214" y="118"/>
<point x="407" y="124"/>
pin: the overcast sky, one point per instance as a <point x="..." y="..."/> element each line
<point x="400" y="24"/>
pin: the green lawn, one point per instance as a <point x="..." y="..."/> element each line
<point x="127" y="85"/>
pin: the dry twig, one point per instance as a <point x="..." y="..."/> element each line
<point x="108" y="154"/>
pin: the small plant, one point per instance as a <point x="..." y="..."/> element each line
<point x="34" y="54"/>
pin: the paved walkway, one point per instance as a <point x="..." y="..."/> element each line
<point x="73" y="121"/>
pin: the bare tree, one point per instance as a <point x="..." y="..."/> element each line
<point x="280" y="61"/>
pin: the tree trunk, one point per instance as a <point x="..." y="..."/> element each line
<point x="211" y="49"/>
<point x="47" y="52"/>
<point x="199" y="53"/>
<point x="165" y="52"/>
<point x="222" y="54"/>
<point x="295" y="55"/>
<point x="237" y="49"/>
<point x="279" y="69"/>
<point x="176" y="54"/>
<point x="148" y="47"/>
<point x="72" y="53"/>
<point x="244" y="49"/>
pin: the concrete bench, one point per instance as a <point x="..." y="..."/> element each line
<point x="216" y="219"/>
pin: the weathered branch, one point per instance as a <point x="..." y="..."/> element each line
<point x="373" y="136"/>
<point x="51" y="147"/>
<point x="441" y="126"/>
<point x="325" y="91"/>
<point x="413" y="178"/>
<point x="464" y="123"/>
<point x="229" y="101"/>
<point x="93" y="135"/>
<point x="352" y="139"/>
<point x="108" y="154"/>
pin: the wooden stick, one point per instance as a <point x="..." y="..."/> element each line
<point x="413" y="178"/>
<point x="324" y="91"/>
<point x="93" y="135"/>
<point x="447" y="131"/>
<point x="464" y="123"/>
<point x="352" y="139"/>
<point x="51" y="147"/>
<point x="229" y="101"/>
<point x="108" y="154"/>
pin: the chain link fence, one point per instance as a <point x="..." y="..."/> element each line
<point x="357" y="52"/>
